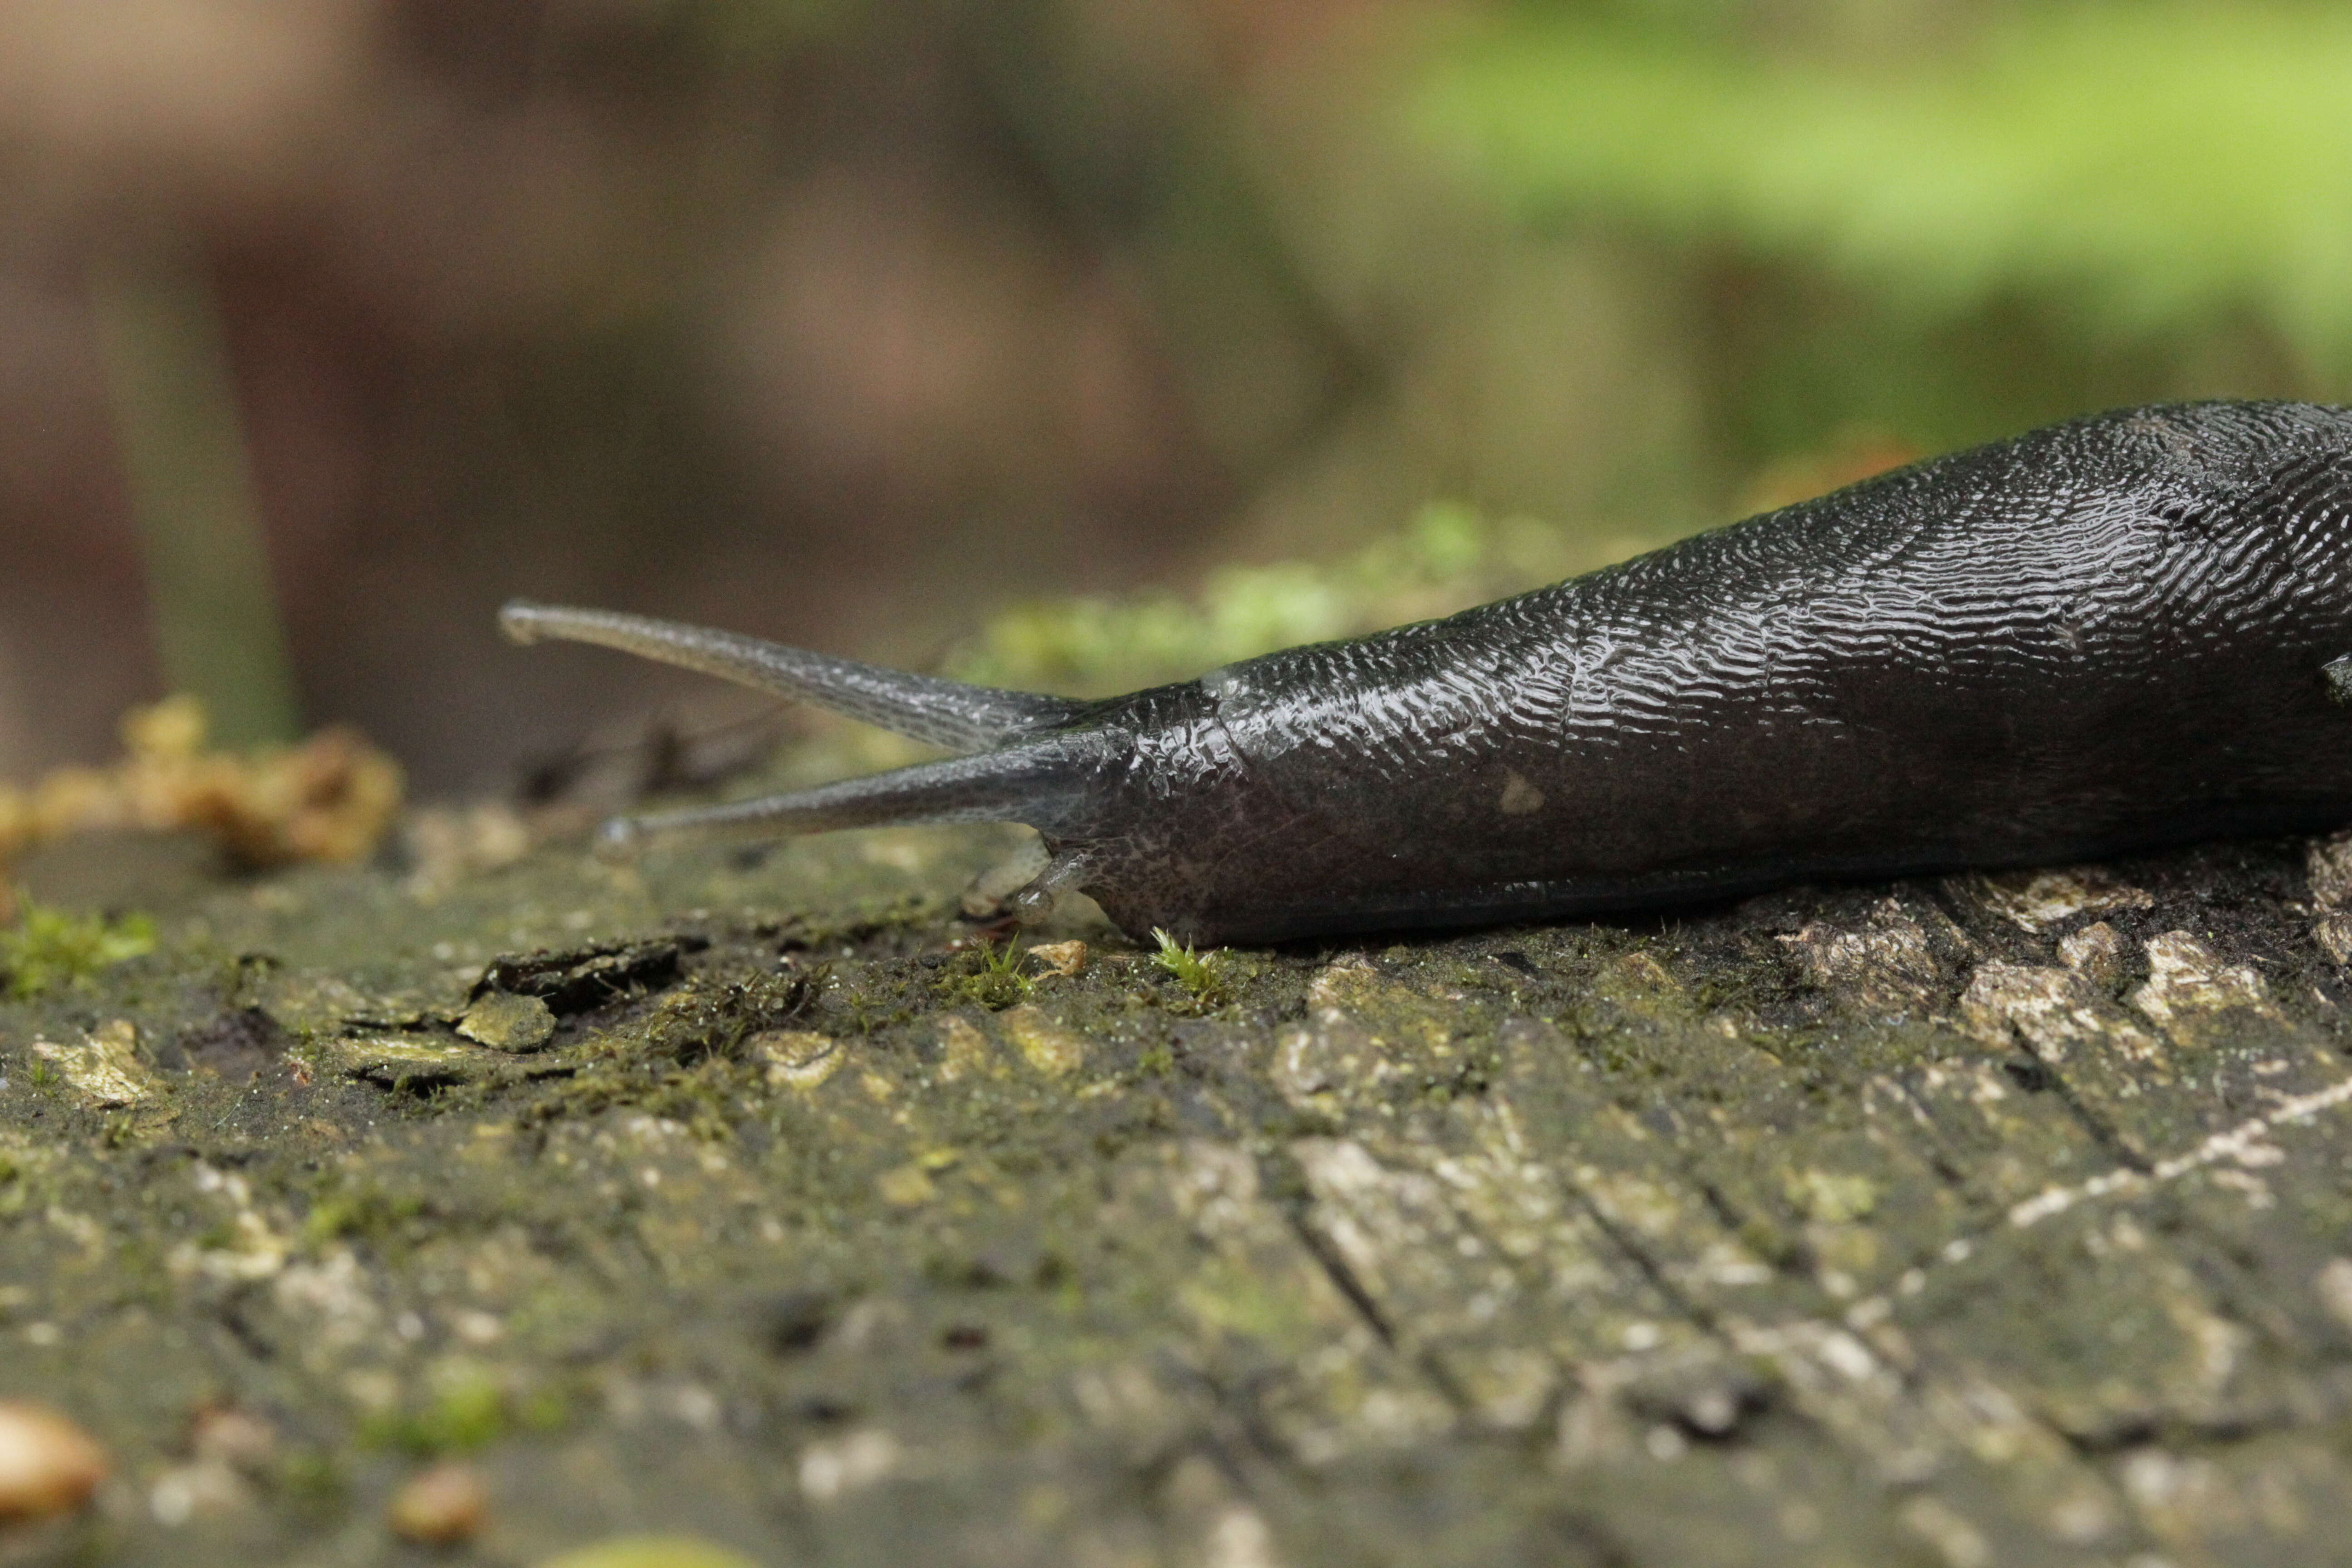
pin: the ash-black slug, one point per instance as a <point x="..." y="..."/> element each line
<point x="2127" y="630"/>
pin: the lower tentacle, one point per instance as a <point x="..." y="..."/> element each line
<point x="1040" y="782"/>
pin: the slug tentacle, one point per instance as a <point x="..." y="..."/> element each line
<point x="1044" y="783"/>
<point x="922" y="706"/>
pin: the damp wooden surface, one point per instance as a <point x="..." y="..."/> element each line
<point x="1958" y="1222"/>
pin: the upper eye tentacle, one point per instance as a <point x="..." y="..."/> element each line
<point x="922" y="706"/>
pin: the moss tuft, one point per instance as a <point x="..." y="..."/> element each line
<point x="988" y="976"/>
<point x="468" y="1412"/>
<point x="52" y="950"/>
<point x="1203" y="975"/>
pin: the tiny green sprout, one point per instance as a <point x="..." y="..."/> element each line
<point x="1201" y="974"/>
<point x="50" y="949"/>
<point x="991" y="977"/>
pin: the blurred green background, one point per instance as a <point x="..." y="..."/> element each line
<point x="1055" y="340"/>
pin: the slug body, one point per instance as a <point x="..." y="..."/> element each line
<point x="2106" y="635"/>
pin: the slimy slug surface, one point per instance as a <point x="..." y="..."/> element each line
<point x="2110" y="634"/>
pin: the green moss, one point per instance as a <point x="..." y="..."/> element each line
<point x="1448" y="558"/>
<point x="650" y="1552"/>
<point x="1203" y="975"/>
<point x="51" y="950"/>
<point x="310" y="1479"/>
<point x="365" y="1213"/>
<point x="679" y="1058"/>
<point x="865" y="1013"/>
<point x="543" y="1410"/>
<point x="702" y="1022"/>
<point x="988" y="976"/>
<point x="1184" y="1197"/>
<point x="468" y="1412"/>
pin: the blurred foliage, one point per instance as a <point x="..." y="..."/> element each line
<point x="209" y="592"/>
<point x="2049" y="207"/>
<point x="751" y="30"/>
<point x="1451" y="557"/>
<point x="849" y="322"/>
<point x="2153" y="163"/>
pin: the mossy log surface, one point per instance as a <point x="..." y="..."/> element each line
<point x="1973" y="1221"/>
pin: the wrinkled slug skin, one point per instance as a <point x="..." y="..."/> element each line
<point x="2101" y="636"/>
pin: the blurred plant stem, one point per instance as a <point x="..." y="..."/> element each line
<point x="210" y="597"/>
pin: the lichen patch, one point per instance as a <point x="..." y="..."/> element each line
<point x="2039" y="902"/>
<point x="797" y="1059"/>
<point x="1044" y="1044"/>
<point x="104" y="1069"/>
